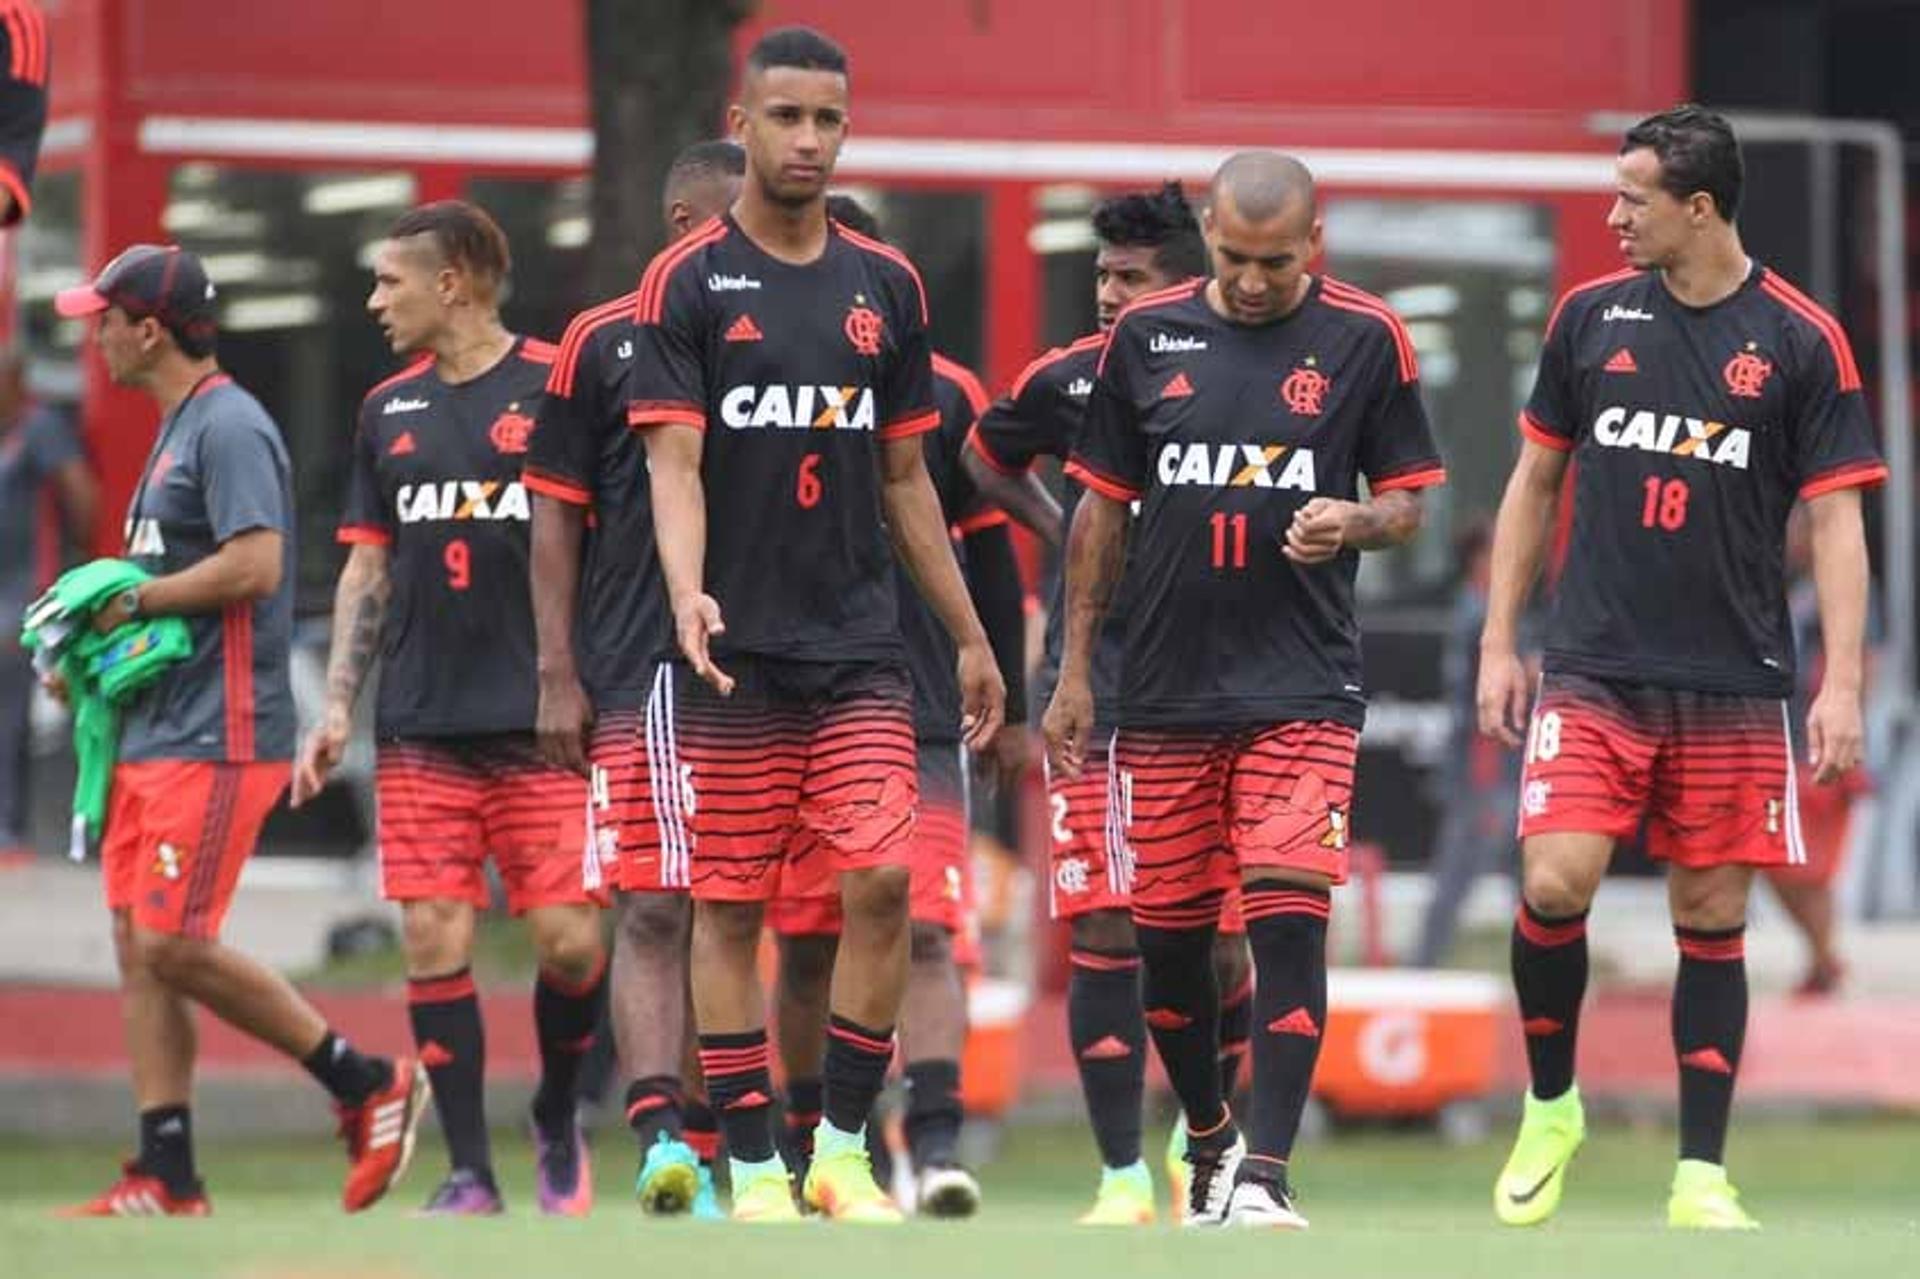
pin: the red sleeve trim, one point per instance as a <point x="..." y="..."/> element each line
<point x="413" y="370"/>
<point x="1777" y="288"/>
<point x="537" y="351"/>
<point x="651" y="298"/>
<point x="980" y="447"/>
<point x="363" y="535"/>
<point x="573" y="342"/>
<point x="1426" y="477"/>
<point x="1848" y="475"/>
<point x="962" y="376"/>
<point x="1544" y="436"/>
<point x="1337" y="293"/>
<point x="555" y="487"/>
<point x="980" y="520"/>
<point x="894" y="255"/>
<point x="917" y="424"/>
<point x="1104" y="485"/>
<point x="644" y="413"/>
<point x="22" y="198"/>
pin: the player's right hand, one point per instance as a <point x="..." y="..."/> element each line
<point x="562" y="722"/>
<point x="696" y="622"/>
<point x="1502" y="697"/>
<point x="1067" y="725"/>
<point x="319" y="755"/>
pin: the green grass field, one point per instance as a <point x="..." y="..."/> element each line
<point x="1838" y="1199"/>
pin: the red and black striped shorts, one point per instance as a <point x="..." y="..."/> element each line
<point x="447" y="804"/>
<point x="1710" y="773"/>
<point x="1200" y="806"/>
<point x="805" y="771"/>
<point x="621" y="823"/>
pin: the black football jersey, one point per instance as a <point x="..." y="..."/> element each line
<point x="436" y="478"/>
<point x="583" y="453"/>
<point x="794" y="374"/>
<point x="1222" y="431"/>
<point x="1041" y="416"/>
<point x="26" y="56"/>
<point x="1693" y="430"/>
<point x="930" y="652"/>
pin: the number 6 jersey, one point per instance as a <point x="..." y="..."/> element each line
<point x="1693" y="430"/>
<point x="436" y="479"/>
<point x="795" y="374"/>
<point x="1222" y="431"/>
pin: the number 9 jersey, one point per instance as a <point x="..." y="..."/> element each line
<point x="1693" y="430"/>
<point x="436" y="479"/>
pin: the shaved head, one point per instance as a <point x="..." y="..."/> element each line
<point x="1263" y="185"/>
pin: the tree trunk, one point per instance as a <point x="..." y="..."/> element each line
<point x="658" y="75"/>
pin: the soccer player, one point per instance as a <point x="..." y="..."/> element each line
<point x="584" y="459"/>
<point x="25" y="59"/>
<point x="1241" y="413"/>
<point x="1148" y="241"/>
<point x="435" y="585"/>
<point x="1701" y="394"/>
<point x="934" y="1019"/>
<point x="203" y="755"/>
<point x="781" y="376"/>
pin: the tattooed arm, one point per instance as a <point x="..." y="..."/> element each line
<point x="359" y="614"/>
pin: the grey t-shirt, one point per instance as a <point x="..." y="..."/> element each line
<point x="218" y="468"/>
<point x="31" y="453"/>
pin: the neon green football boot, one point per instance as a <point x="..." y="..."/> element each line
<point x="1529" y="1187"/>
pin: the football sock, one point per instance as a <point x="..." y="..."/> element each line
<point x="1109" y="1038"/>
<point x="740" y="1088"/>
<point x="166" y="1148"/>
<point x="350" y="1076"/>
<point x="933" y="1112"/>
<point x="1709" y="1028"/>
<point x="856" y="1070"/>
<point x="654" y="1107"/>
<point x="1287" y="928"/>
<point x="1550" y="977"/>
<point x="564" y="1015"/>
<point x="1183" y="1013"/>
<point x="445" y="1012"/>
<point x="1236" y="1031"/>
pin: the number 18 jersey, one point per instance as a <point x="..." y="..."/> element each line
<point x="1693" y="430"/>
<point x="436" y="479"/>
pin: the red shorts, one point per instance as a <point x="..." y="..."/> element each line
<point x="1091" y="864"/>
<point x="178" y="832"/>
<point x="621" y="823"/>
<point x="448" y="804"/>
<point x="1710" y="773"/>
<point x="806" y="771"/>
<point x="938" y="860"/>
<point x="1826" y="824"/>
<point x="1199" y="807"/>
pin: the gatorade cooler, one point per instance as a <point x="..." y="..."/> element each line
<point x="1402" y="1043"/>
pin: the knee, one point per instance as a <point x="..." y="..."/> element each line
<point x="930" y="944"/>
<point x="170" y="958"/>
<point x="876" y="896"/>
<point x="569" y="942"/>
<point x="1553" y="890"/>
<point x="1105" y="930"/>
<point x="806" y="962"/>
<point x="731" y="924"/>
<point x="655" y="921"/>
<point x="1711" y="903"/>
<point x="436" y="935"/>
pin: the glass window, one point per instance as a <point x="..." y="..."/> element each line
<point x="291" y="254"/>
<point x="547" y="226"/>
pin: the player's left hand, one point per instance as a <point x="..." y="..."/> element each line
<point x="983" y="695"/>
<point x="1318" y="531"/>
<point x="561" y="723"/>
<point x="1835" y="737"/>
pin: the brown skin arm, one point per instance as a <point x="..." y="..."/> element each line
<point x="1326" y="526"/>
<point x="359" y="614"/>
<point x="565" y="715"/>
<point x="1095" y="548"/>
<point x="680" y="533"/>
<point x="246" y="567"/>
<point x="1022" y="496"/>
<point x="1521" y="533"/>
<point x="921" y="540"/>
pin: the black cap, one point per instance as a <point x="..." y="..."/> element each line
<point x="163" y="281"/>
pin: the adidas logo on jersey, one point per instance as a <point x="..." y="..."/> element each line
<point x="461" y="500"/>
<point x="1163" y="342"/>
<point x="1674" y="434"/>
<point x="744" y="330"/>
<point x="399" y="404"/>
<point x="1621" y="361"/>
<point x="798" y="408"/>
<point x="1224" y="466"/>
<point x="402" y="445"/>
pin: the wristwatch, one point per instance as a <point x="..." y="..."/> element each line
<point x="129" y="601"/>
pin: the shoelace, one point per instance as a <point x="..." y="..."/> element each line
<point x="1200" y="1186"/>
